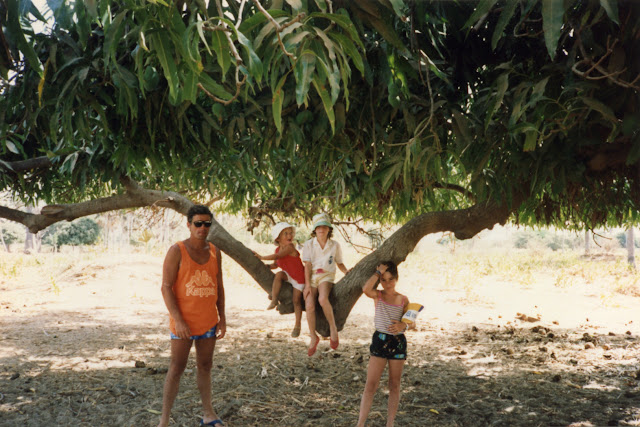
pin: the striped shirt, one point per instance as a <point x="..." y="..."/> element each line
<point x="386" y="313"/>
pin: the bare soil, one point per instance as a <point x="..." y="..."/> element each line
<point x="88" y="346"/>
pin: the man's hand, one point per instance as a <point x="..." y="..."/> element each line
<point x="221" y="330"/>
<point x="182" y="329"/>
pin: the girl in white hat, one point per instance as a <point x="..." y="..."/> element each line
<point x="321" y="256"/>
<point x="287" y="258"/>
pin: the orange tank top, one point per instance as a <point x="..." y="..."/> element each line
<point x="196" y="291"/>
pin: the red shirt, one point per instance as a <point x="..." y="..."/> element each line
<point x="292" y="265"/>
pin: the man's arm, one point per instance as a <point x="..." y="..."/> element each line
<point x="221" y="330"/>
<point x="169" y="275"/>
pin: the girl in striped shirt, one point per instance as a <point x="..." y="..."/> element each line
<point x="389" y="345"/>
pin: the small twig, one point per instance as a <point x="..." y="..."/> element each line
<point x="239" y="21"/>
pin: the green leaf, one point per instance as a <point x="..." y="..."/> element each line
<point x="391" y="174"/>
<point x="12" y="147"/>
<point x="303" y="72"/>
<point x="322" y="5"/>
<point x="163" y="49"/>
<point x="190" y="86"/>
<point x="220" y="45"/>
<point x="531" y="137"/>
<point x="15" y="30"/>
<point x="350" y="49"/>
<point x="611" y="7"/>
<point x="502" y="83"/>
<point x="255" y="65"/>
<point x="398" y="7"/>
<point x="482" y="9"/>
<point x="344" y="22"/>
<point x="216" y="89"/>
<point x="505" y="17"/>
<point x="255" y="21"/>
<point x="326" y="101"/>
<point x="552" y="13"/>
<point x="606" y="111"/>
<point x="112" y="37"/>
<point x="296" y="5"/>
<point x="276" y="104"/>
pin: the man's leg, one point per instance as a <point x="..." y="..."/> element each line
<point x="204" y="362"/>
<point x="179" y="357"/>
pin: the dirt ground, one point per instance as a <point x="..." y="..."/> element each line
<point x="88" y="346"/>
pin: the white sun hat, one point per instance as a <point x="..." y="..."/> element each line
<point x="277" y="229"/>
<point x="321" y="219"/>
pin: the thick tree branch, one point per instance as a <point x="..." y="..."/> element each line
<point x="26" y="165"/>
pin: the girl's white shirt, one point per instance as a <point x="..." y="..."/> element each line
<point x="322" y="258"/>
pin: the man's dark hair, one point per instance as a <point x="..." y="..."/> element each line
<point x="392" y="268"/>
<point x="198" y="210"/>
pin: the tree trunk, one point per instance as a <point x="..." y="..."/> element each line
<point x="28" y="238"/>
<point x="6" y="247"/>
<point x="587" y="242"/>
<point x="631" y="247"/>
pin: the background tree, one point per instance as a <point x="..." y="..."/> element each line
<point x="443" y="116"/>
<point x="81" y="232"/>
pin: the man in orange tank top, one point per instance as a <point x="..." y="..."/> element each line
<point x="193" y="292"/>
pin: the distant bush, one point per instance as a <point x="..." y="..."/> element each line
<point x="12" y="232"/>
<point x="83" y="231"/>
<point x="544" y="238"/>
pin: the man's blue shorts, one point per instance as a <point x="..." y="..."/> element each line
<point x="211" y="333"/>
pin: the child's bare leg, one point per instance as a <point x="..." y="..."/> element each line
<point x="323" y="298"/>
<point x="374" y="372"/>
<point x="297" y="309"/>
<point x="275" y="289"/>
<point x="395" y="374"/>
<point x="310" y="305"/>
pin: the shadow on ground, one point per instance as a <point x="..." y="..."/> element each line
<point x="67" y="368"/>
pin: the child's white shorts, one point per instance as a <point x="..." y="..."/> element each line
<point x="293" y="282"/>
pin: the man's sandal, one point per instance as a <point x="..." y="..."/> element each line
<point x="211" y="423"/>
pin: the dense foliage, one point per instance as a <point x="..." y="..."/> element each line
<point x="83" y="231"/>
<point x="378" y="109"/>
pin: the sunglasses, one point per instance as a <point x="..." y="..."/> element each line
<point x="199" y="224"/>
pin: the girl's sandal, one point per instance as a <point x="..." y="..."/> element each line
<point x="312" y="350"/>
<point x="334" y="344"/>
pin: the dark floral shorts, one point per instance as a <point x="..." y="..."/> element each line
<point x="388" y="346"/>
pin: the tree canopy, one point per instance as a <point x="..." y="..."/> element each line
<point x="446" y="116"/>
